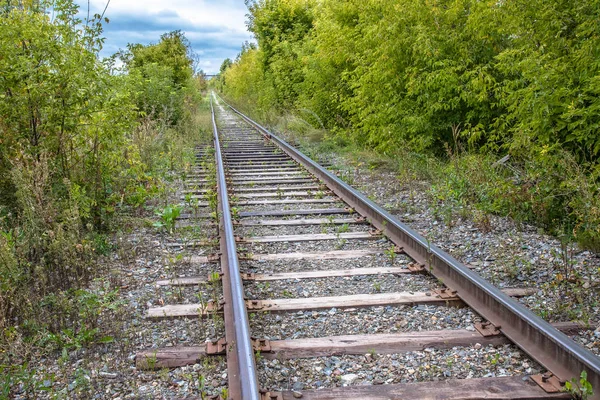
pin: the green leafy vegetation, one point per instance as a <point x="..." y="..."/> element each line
<point x="580" y="389"/>
<point x="168" y="217"/>
<point x="84" y="147"/>
<point x="445" y="88"/>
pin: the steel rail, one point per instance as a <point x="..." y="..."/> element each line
<point x="554" y="350"/>
<point x="243" y="380"/>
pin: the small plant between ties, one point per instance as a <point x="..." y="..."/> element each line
<point x="377" y="287"/>
<point x="168" y="217"/>
<point x="343" y="228"/>
<point x="391" y="253"/>
<point x="151" y="361"/>
<point x="258" y="356"/>
<point x="189" y="197"/>
<point x="214" y="282"/>
<point x="235" y="213"/>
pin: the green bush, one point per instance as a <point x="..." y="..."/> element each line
<point x="79" y="143"/>
<point x="465" y="82"/>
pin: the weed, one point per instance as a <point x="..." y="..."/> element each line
<point x="224" y="393"/>
<point x="348" y="177"/>
<point x="512" y="270"/>
<point x="168" y="217"/>
<point x="340" y="243"/>
<point x="151" y="361"/>
<point x="12" y="376"/>
<point x="495" y="359"/>
<point x="212" y="199"/>
<point x="202" y="309"/>
<point x="164" y="374"/>
<point x="343" y="228"/>
<point x="82" y="382"/>
<point x="391" y="253"/>
<point x="263" y="287"/>
<point x="580" y="389"/>
<point x="101" y="244"/>
<point x="86" y="308"/>
<point x="215" y="278"/>
<point x="206" y="363"/>
<point x="482" y="221"/>
<point x="214" y="283"/>
<point x="189" y="197"/>
<point x="202" y="386"/>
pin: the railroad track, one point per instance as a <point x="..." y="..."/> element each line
<point x="327" y="296"/>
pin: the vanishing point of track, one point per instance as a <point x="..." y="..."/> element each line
<point x="305" y="214"/>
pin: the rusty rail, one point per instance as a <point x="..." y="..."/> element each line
<point x="559" y="354"/>
<point x="241" y="368"/>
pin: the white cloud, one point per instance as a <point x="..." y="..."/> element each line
<point x="215" y="29"/>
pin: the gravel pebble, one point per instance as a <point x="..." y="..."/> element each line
<point x="339" y="286"/>
<point x="428" y="365"/>
<point x="355" y="321"/>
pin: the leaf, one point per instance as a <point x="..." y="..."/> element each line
<point x="106" y="339"/>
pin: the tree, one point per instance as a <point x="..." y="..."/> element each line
<point x="225" y="65"/>
<point x="172" y="51"/>
<point x="161" y="75"/>
<point x="280" y="28"/>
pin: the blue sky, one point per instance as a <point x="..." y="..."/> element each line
<point x="215" y="28"/>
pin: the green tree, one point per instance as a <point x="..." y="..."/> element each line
<point x="59" y="100"/>
<point x="161" y="76"/>
<point x="551" y="87"/>
<point x="172" y="51"/>
<point x="280" y="28"/>
<point x="73" y="149"/>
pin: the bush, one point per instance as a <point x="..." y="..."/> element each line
<point x="77" y="145"/>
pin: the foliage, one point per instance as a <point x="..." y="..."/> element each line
<point x="172" y="52"/>
<point x="59" y="104"/>
<point x="13" y="375"/>
<point x="71" y="318"/>
<point x="168" y="217"/>
<point x="443" y="78"/>
<point x="280" y="27"/>
<point x="580" y="389"/>
<point x="246" y="78"/>
<point x="80" y="141"/>
<point x="160" y="75"/>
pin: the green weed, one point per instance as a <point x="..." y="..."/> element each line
<point x="580" y="389"/>
<point x="168" y="217"/>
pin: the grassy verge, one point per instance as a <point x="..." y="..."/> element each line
<point x="551" y="191"/>
<point x="56" y="291"/>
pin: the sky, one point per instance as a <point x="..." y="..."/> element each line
<point x="216" y="29"/>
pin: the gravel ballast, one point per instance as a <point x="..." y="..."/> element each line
<point x="358" y="321"/>
<point x="374" y="369"/>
